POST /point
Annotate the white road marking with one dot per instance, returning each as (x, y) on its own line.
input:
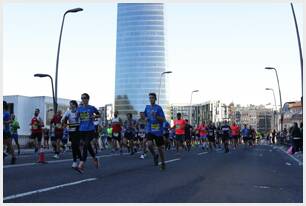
(173, 160)
(202, 153)
(56, 161)
(288, 163)
(47, 189)
(261, 186)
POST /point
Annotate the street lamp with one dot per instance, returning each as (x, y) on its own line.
(191, 106)
(280, 95)
(300, 48)
(54, 100)
(273, 96)
(167, 72)
(58, 49)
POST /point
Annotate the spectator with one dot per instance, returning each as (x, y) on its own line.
(273, 136)
(296, 137)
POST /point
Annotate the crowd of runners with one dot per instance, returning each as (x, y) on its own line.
(151, 133)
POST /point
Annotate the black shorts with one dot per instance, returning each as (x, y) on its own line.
(158, 140)
(116, 137)
(166, 135)
(235, 137)
(180, 137)
(225, 138)
(74, 136)
(36, 135)
(188, 138)
(211, 139)
(7, 135)
(86, 135)
(130, 135)
(141, 136)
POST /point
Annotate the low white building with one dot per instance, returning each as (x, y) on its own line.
(23, 107)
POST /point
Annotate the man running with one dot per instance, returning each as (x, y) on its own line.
(155, 118)
(188, 134)
(87, 114)
(71, 119)
(203, 135)
(141, 133)
(179, 125)
(235, 132)
(245, 135)
(167, 127)
(129, 133)
(211, 135)
(59, 132)
(14, 127)
(36, 129)
(7, 136)
(226, 131)
(116, 131)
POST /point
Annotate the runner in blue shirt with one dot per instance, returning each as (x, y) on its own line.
(155, 118)
(87, 114)
(7, 136)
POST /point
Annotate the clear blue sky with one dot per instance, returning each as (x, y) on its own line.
(220, 49)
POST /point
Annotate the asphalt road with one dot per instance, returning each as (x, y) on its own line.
(247, 175)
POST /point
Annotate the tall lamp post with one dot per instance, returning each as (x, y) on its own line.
(58, 50)
(300, 48)
(190, 115)
(274, 104)
(280, 96)
(161, 75)
(54, 99)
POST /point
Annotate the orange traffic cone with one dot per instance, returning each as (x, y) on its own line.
(41, 156)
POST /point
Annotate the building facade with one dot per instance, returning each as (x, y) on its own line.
(140, 57)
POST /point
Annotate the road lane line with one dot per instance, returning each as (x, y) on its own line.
(202, 153)
(46, 189)
(56, 161)
(284, 151)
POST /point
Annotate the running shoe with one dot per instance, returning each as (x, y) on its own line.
(156, 160)
(142, 156)
(96, 162)
(162, 166)
(74, 165)
(56, 156)
(13, 160)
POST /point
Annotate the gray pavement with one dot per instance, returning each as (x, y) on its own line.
(263, 174)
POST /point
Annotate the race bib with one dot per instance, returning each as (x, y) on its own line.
(155, 127)
(211, 133)
(58, 125)
(116, 134)
(177, 126)
(84, 116)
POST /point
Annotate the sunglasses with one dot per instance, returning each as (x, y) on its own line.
(83, 98)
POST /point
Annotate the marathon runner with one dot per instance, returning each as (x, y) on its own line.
(7, 136)
(14, 127)
(203, 135)
(36, 129)
(129, 133)
(116, 132)
(211, 135)
(188, 134)
(166, 127)
(235, 132)
(155, 118)
(245, 135)
(179, 125)
(226, 131)
(219, 135)
(87, 115)
(59, 131)
(70, 118)
(141, 133)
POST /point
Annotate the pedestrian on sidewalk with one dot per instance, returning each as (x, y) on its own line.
(273, 136)
(296, 137)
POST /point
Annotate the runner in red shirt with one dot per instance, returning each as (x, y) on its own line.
(36, 129)
(59, 130)
(179, 126)
(234, 133)
(202, 128)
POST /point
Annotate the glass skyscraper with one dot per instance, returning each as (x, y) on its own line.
(140, 56)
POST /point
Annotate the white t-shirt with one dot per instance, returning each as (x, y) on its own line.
(72, 119)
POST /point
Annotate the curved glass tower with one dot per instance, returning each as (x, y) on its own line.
(140, 56)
